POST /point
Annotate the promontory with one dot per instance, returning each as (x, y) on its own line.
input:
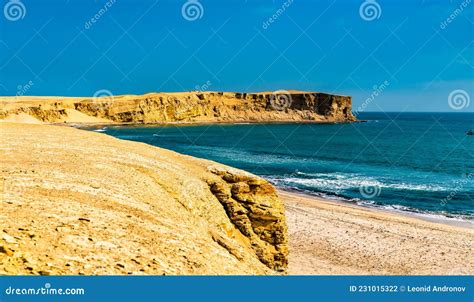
(200, 107)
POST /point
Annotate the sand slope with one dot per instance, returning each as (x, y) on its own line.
(79, 202)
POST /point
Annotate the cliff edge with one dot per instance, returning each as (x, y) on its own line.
(79, 202)
(289, 106)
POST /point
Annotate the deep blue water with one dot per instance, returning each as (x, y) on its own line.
(419, 162)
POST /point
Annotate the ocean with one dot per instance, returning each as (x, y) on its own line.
(421, 163)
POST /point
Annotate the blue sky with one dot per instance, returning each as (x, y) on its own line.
(145, 46)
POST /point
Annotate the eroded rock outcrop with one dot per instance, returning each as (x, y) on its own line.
(184, 107)
(254, 208)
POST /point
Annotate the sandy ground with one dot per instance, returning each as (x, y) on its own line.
(79, 202)
(328, 238)
(107, 206)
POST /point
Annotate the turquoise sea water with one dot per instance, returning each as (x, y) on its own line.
(416, 162)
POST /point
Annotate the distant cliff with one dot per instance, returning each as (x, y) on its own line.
(183, 107)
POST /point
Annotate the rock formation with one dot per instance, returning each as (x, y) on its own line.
(79, 202)
(249, 202)
(184, 107)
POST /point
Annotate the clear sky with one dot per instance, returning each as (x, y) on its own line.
(69, 48)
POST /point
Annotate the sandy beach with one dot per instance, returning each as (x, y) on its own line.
(333, 238)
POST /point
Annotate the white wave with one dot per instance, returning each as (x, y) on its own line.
(100, 130)
(339, 181)
(428, 215)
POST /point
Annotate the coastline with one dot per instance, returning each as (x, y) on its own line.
(193, 106)
(424, 216)
(325, 237)
(336, 238)
(198, 123)
(91, 124)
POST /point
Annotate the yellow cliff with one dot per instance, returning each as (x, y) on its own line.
(290, 106)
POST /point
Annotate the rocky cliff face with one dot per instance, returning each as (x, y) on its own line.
(79, 202)
(249, 202)
(186, 107)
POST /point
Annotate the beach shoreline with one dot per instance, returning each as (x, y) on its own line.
(426, 217)
(325, 237)
(336, 238)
